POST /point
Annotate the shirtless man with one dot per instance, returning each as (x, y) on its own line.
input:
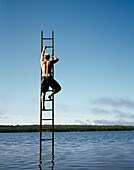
(47, 79)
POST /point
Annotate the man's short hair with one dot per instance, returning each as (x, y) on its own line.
(47, 56)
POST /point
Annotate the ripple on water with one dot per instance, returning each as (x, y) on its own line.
(73, 150)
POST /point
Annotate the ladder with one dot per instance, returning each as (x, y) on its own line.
(43, 128)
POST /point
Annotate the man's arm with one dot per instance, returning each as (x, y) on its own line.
(55, 59)
(42, 54)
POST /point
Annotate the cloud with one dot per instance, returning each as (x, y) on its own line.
(64, 108)
(19, 119)
(123, 114)
(115, 102)
(80, 122)
(2, 114)
(99, 111)
(97, 122)
(118, 113)
(88, 121)
(113, 122)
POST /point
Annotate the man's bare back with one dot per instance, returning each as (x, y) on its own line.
(46, 68)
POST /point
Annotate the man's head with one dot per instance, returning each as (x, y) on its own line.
(47, 56)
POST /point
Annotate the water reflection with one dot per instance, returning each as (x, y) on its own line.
(42, 159)
(72, 150)
(52, 156)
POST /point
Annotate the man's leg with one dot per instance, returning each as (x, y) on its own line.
(54, 92)
(55, 85)
(44, 88)
(43, 100)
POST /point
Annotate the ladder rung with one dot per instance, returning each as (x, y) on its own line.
(50, 90)
(49, 46)
(47, 109)
(47, 119)
(47, 129)
(47, 38)
(46, 139)
(49, 100)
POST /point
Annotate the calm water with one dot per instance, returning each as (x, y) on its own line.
(72, 150)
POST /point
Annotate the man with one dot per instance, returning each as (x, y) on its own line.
(47, 79)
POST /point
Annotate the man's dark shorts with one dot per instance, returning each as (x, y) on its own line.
(49, 81)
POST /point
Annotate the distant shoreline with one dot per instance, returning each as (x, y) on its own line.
(64, 128)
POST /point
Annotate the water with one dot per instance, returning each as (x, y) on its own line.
(72, 150)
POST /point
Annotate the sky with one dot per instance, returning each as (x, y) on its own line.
(94, 42)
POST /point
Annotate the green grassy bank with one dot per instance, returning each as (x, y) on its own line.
(63, 128)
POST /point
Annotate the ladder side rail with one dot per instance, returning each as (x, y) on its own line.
(41, 102)
(53, 95)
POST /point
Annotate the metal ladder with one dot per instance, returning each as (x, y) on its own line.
(42, 120)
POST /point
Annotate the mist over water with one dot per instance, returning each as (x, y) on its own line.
(72, 150)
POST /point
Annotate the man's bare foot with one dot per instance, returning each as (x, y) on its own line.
(49, 96)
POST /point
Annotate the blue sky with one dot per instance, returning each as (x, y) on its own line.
(94, 41)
